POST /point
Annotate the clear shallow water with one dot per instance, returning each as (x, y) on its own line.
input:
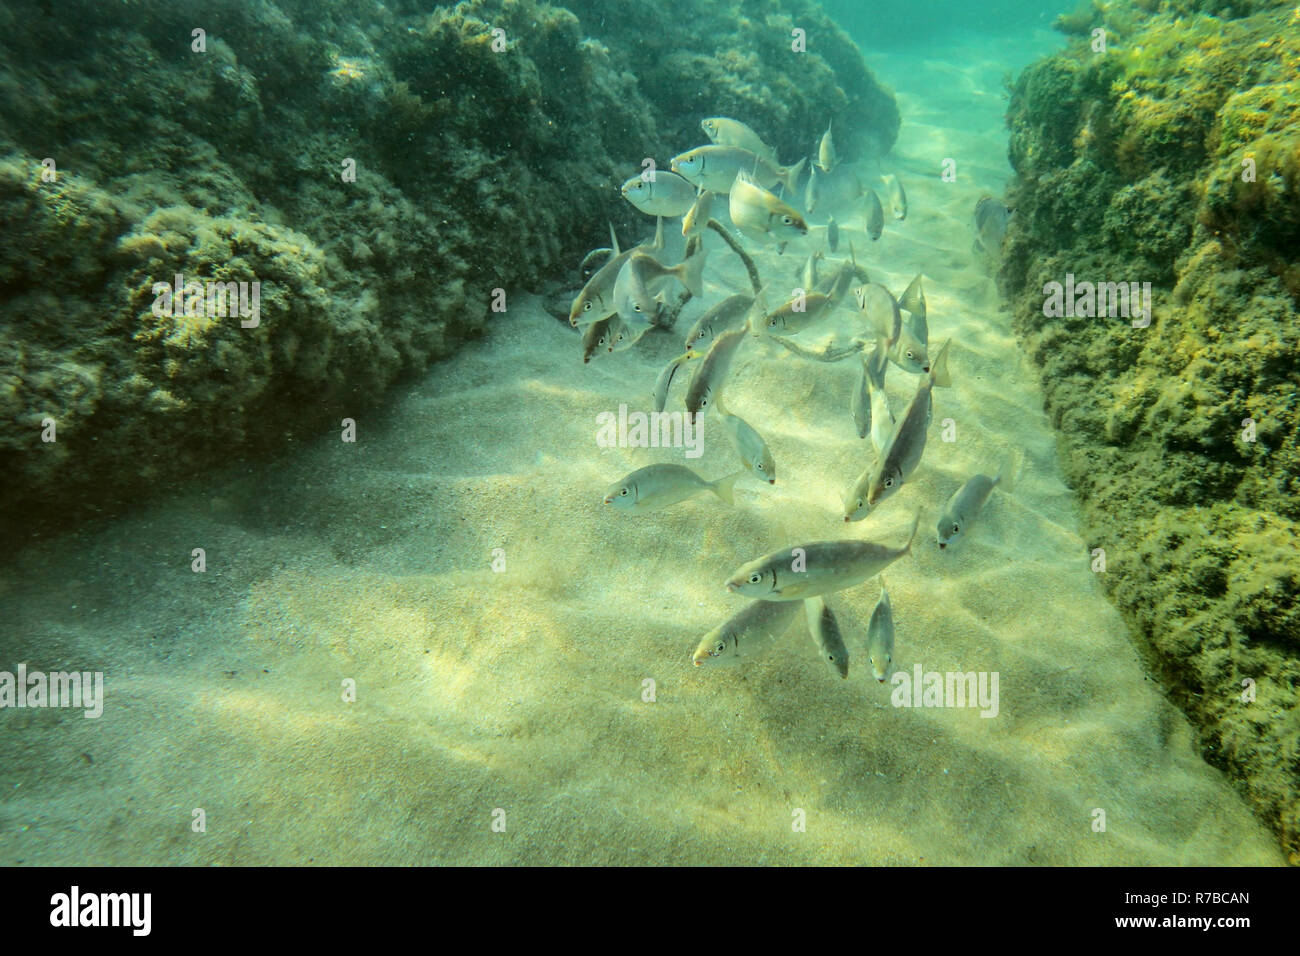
(520, 695)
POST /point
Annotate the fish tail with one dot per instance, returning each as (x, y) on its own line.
(724, 488)
(876, 364)
(939, 368)
(916, 523)
(790, 176)
(692, 273)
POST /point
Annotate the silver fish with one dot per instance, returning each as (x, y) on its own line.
(642, 275)
(832, 234)
(966, 503)
(808, 276)
(825, 631)
(907, 443)
(715, 168)
(880, 636)
(817, 568)
(991, 217)
(826, 152)
(729, 132)
(598, 336)
(878, 305)
(749, 444)
(875, 215)
(665, 379)
(747, 634)
(725, 315)
(713, 369)
(838, 285)
(696, 219)
(909, 350)
(897, 197)
(798, 313)
(862, 404)
(659, 486)
(759, 215)
(813, 191)
(596, 300)
(668, 195)
(913, 299)
(882, 419)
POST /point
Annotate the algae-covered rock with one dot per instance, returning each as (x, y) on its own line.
(1173, 159)
(487, 139)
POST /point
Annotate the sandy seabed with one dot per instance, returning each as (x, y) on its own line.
(520, 695)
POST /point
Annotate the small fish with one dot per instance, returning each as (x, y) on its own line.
(826, 152)
(725, 315)
(832, 234)
(668, 195)
(715, 168)
(907, 443)
(696, 219)
(808, 277)
(913, 299)
(966, 503)
(897, 197)
(759, 215)
(596, 300)
(597, 336)
(749, 444)
(875, 215)
(909, 351)
(878, 305)
(862, 404)
(659, 486)
(642, 275)
(825, 631)
(813, 191)
(665, 379)
(729, 132)
(747, 634)
(713, 369)
(817, 568)
(838, 286)
(880, 636)
(798, 313)
(882, 419)
(991, 217)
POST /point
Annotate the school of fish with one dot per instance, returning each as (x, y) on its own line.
(738, 176)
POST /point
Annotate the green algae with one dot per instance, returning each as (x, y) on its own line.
(1182, 440)
(478, 168)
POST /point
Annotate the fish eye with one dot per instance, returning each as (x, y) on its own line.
(637, 307)
(755, 578)
(760, 467)
(623, 492)
(955, 529)
(586, 307)
(889, 482)
(787, 220)
(722, 646)
(909, 354)
(704, 401)
(859, 504)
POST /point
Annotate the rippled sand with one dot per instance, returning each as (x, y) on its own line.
(522, 691)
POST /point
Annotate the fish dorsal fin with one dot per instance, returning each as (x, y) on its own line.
(613, 240)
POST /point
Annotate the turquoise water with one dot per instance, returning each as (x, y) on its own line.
(416, 633)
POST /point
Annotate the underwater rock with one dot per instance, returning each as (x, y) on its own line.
(1174, 158)
(483, 161)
